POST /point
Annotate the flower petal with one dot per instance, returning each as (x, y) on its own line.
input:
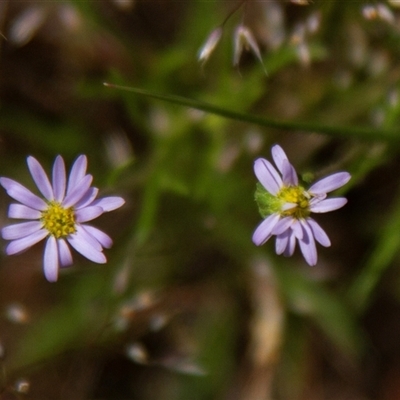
(307, 245)
(288, 206)
(22, 194)
(59, 179)
(290, 246)
(23, 212)
(328, 205)
(64, 253)
(279, 156)
(50, 259)
(289, 174)
(267, 175)
(99, 235)
(18, 231)
(78, 192)
(79, 243)
(87, 199)
(82, 233)
(77, 173)
(297, 229)
(282, 225)
(330, 183)
(88, 213)
(40, 178)
(109, 203)
(282, 242)
(19, 245)
(263, 231)
(320, 235)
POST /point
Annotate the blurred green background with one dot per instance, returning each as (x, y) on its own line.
(187, 308)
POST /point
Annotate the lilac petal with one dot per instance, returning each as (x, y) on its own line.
(320, 236)
(267, 175)
(297, 229)
(317, 197)
(78, 192)
(328, 205)
(288, 206)
(77, 173)
(330, 183)
(88, 213)
(22, 194)
(87, 199)
(79, 243)
(282, 242)
(289, 174)
(64, 253)
(263, 231)
(307, 245)
(82, 233)
(109, 203)
(18, 245)
(51, 259)
(18, 231)
(59, 179)
(282, 225)
(40, 178)
(99, 235)
(23, 212)
(279, 156)
(290, 247)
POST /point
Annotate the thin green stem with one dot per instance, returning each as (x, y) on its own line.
(233, 12)
(355, 132)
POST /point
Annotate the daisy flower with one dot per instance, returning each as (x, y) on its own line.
(287, 206)
(59, 217)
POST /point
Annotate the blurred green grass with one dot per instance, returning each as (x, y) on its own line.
(180, 279)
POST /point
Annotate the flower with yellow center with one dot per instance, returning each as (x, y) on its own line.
(59, 221)
(286, 206)
(60, 217)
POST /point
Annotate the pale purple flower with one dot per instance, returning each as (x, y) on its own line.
(60, 217)
(286, 206)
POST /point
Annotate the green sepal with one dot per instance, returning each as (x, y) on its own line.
(266, 202)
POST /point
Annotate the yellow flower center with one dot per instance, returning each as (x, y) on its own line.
(298, 196)
(59, 221)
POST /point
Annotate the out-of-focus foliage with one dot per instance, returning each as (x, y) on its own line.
(187, 307)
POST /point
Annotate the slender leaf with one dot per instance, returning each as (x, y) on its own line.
(359, 132)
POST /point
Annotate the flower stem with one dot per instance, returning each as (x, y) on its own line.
(355, 132)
